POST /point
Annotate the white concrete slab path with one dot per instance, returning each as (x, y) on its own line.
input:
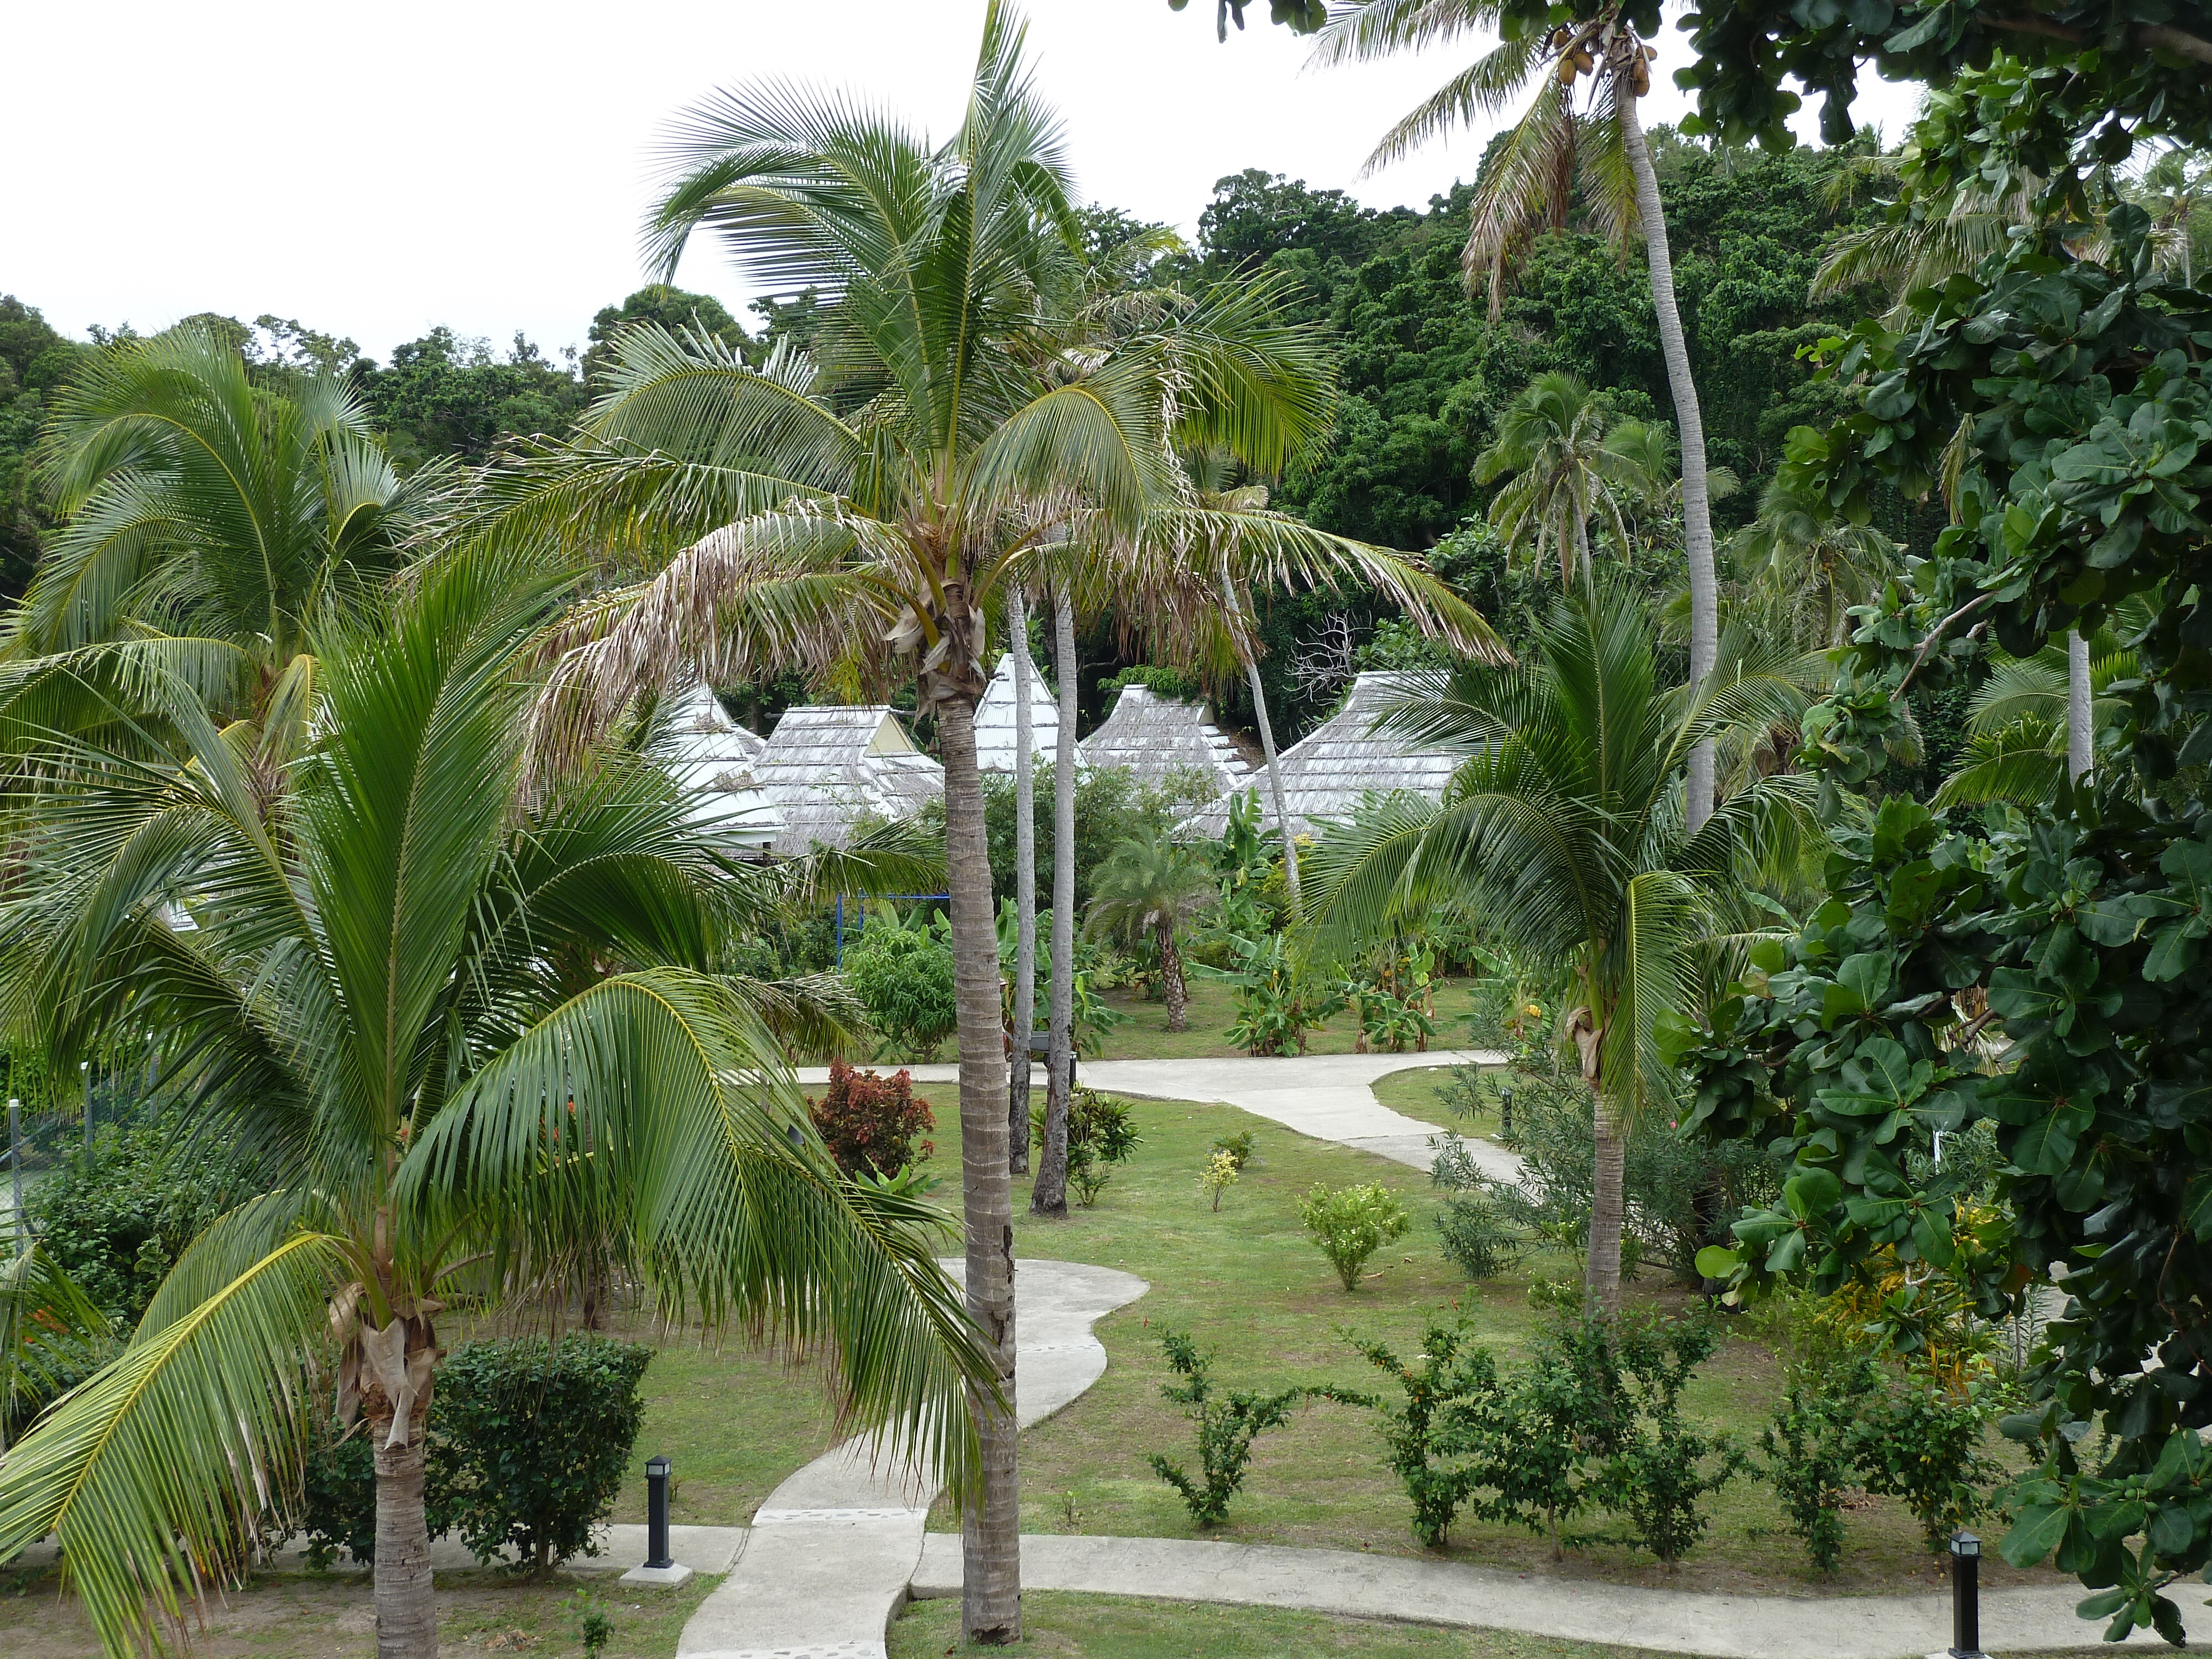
(2028, 1620)
(831, 1552)
(1328, 1097)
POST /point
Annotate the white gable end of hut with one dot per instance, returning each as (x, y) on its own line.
(994, 720)
(710, 757)
(827, 766)
(1152, 736)
(1326, 772)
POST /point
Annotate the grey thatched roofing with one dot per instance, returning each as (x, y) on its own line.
(711, 759)
(994, 720)
(1152, 735)
(1327, 771)
(828, 765)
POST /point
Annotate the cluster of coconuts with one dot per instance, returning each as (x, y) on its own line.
(1576, 58)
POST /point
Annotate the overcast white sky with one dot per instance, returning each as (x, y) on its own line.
(373, 170)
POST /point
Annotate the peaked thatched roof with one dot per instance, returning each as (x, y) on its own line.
(1327, 771)
(711, 757)
(994, 720)
(1152, 736)
(828, 765)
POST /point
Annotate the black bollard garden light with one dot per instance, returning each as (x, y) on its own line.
(1965, 1594)
(656, 1513)
(1506, 1113)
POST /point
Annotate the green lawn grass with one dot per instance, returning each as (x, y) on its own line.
(1248, 1283)
(1420, 1093)
(1143, 1033)
(331, 1616)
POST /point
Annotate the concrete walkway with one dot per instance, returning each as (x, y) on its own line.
(2037, 1619)
(833, 1549)
(1328, 1096)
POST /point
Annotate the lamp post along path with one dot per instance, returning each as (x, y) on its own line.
(660, 1566)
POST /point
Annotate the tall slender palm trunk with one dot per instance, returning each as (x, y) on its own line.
(1267, 748)
(1048, 1195)
(406, 1604)
(1697, 508)
(1608, 1208)
(1017, 1086)
(2080, 730)
(991, 1603)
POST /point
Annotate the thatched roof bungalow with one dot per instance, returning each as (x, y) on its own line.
(994, 720)
(1327, 771)
(711, 756)
(1153, 736)
(827, 766)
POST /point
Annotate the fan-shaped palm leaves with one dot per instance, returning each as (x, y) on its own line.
(970, 417)
(370, 1008)
(2017, 725)
(1552, 153)
(1565, 828)
(1816, 564)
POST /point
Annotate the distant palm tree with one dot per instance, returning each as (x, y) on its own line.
(1817, 565)
(2018, 724)
(2177, 188)
(1551, 446)
(373, 1009)
(1553, 157)
(1564, 830)
(212, 525)
(1651, 481)
(1147, 887)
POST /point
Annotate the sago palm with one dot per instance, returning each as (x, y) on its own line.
(1556, 154)
(212, 525)
(1564, 831)
(1147, 887)
(367, 1004)
(966, 420)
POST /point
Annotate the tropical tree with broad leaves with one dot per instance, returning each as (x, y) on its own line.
(1564, 829)
(967, 419)
(369, 996)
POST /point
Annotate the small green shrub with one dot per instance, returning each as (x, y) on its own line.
(1351, 1223)
(1808, 1443)
(1525, 1446)
(1920, 1441)
(593, 1628)
(1101, 1133)
(537, 1436)
(1240, 1147)
(1218, 1176)
(903, 977)
(116, 1219)
(1477, 1236)
(339, 1510)
(1425, 1426)
(872, 1124)
(1227, 1425)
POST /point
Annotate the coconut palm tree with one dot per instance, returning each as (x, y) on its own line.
(367, 1005)
(211, 525)
(1815, 563)
(1552, 152)
(1145, 889)
(1564, 830)
(2023, 732)
(1552, 439)
(965, 421)
(1650, 484)
(1017, 1083)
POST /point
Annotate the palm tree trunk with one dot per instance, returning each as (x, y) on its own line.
(1602, 1280)
(1268, 748)
(991, 1603)
(1697, 510)
(2080, 732)
(406, 1605)
(1172, 979)
(1048, 1195)
(1017, 1090)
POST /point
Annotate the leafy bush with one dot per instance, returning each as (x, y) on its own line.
(903, 977)
(536, 1438)
(1351, 1223)
(871, 1123)
(1275, 1007)
(1425, 1427)
(1218, 1176)
(339, 1510)
(1239, 1146)
(1102, 1133)
(1809, 1449)
(1477, 1237)
(118, 1219)
(1227, 1425)
(1525, 1447)
(1921, 1441)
